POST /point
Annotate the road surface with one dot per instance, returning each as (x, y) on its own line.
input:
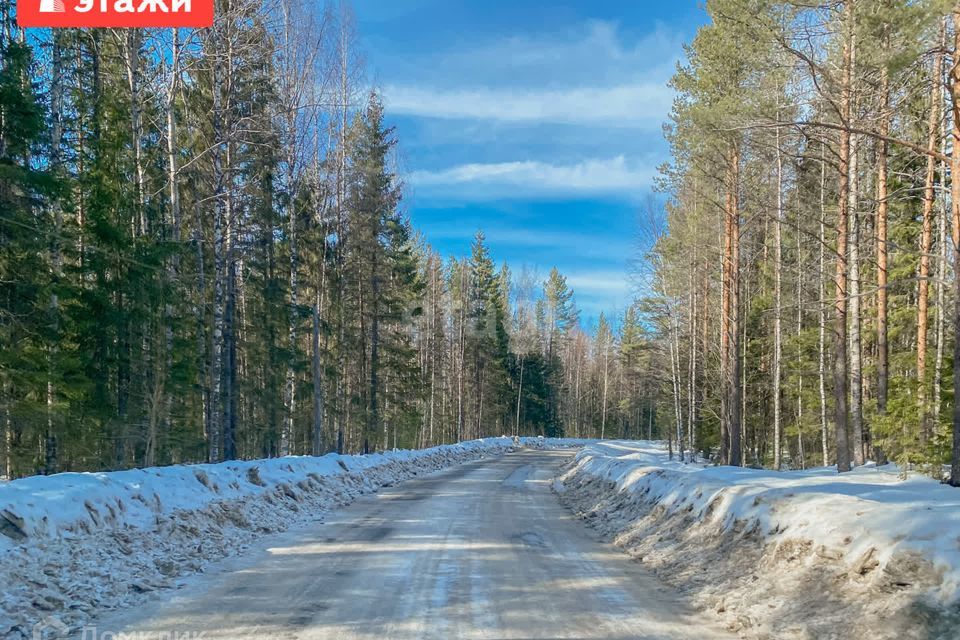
(482, 550)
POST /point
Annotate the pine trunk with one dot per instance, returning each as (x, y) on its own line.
(840, 380)
(955, 230)
(734, 392)
(778, 310)
(317, 444)
(926, 241)
(822, 316)
(883, 367)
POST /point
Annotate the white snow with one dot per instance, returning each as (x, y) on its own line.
(539, 442)
(74, 544)
(70, 504)
(869, 526)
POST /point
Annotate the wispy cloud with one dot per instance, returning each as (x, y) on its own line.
(589, 74)
(538, 243)
(635, 105)
(601, 290)
(613, 176)
(587, 53)
(600, 283)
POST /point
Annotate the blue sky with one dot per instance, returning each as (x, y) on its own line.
(538, 121)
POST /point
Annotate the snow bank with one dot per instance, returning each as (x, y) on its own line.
(76, 543)
(790, 554)
(539, 442)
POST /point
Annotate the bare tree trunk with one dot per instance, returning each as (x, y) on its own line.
(374, 414)
(7, 440)
(289, 391)
(386, 412)
(681, 431)
(221, 131)
(576, 392)
(926, 238)
(822, 315)
(955, 230)
(433, 394)
(433, 349)
(855, 321)
(173, 265)
(650, 422)
(733, 389)
(853, 240)
(603, 408)
(317, 440)
(204, 357)
(706, 336)
(742, 430)
(171, 121)
(229, 367)
(725, 358)
(840, 380)
(479, 403)
(319, 444)
(341, 379)
(692, 379)
(675, 380)
(519, 396)
(56, 140)
(343, 99)
(778, 310)
(132, 44)
(883, 367)
(290, 83)
(942, 258)
(462, 352)
(800, 447)
(289, 399)
(228, 271)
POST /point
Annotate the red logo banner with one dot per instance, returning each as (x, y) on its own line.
(115, 13)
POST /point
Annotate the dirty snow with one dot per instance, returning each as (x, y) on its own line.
(539, 442)
(800, 554)
(74, 544)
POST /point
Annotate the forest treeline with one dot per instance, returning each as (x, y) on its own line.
(806, 282)
(205, 256)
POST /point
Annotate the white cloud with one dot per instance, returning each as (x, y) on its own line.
(600, 283)
(591, 73)
(613, 176)
(602, 290)
(588, 53)
(632, 105)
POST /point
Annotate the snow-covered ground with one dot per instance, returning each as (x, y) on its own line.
(800, 554)
(555, 443)
(74, 544)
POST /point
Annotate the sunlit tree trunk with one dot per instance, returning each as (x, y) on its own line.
(883, 373)
(955, 231)
(942, 258)
(840, 380)
(778, 309)
(733, 390)
(926, 238)
(822, 315)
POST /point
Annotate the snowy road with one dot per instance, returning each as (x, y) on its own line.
(482, 550)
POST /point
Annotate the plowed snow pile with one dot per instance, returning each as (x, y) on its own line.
(799, 554)
(76, 543)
